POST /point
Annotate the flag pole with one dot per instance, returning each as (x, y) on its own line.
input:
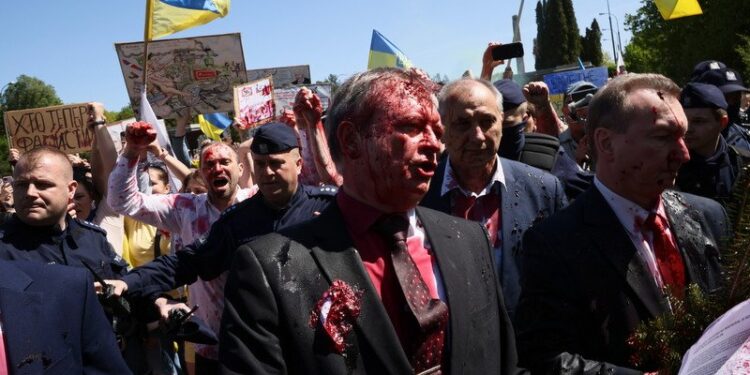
(146, 37)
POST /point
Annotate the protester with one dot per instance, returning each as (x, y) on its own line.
(281, 202)
(575, 110)
(186, 216)
(714, 166)
(595, 270)
(385, 134)
(309, 113)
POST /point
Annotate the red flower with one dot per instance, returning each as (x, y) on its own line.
(336, 311)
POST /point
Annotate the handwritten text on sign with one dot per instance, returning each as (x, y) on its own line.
(61, 127)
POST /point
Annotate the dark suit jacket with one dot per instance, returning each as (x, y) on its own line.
(585, 289)
(530, 196)
(276, 281)
(53, 322)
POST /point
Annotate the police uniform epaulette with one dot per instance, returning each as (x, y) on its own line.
(91, 225)
(325, 190)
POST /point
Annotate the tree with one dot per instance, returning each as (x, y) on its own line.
(25, 93)
(673, 47)
(332, 80)
(541, 37)
(556, 30)
(592, 45)
(572, 50)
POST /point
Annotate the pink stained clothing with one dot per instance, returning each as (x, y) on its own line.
(309, 175)
(188, 217)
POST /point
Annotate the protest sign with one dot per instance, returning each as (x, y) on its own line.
(62, 127)
(284, 97)
(253, 103)
(189, 73)
(559, 82)
(283, 75)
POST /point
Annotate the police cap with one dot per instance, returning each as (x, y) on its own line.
(702, 95)
(727, 80)
(705, 66)
(274, 138)
(512, 94)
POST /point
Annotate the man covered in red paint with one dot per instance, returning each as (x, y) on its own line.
(374, 284)
(186, 216)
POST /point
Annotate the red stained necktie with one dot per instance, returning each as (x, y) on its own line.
(431, 315)
(485, 209)
(668, 258)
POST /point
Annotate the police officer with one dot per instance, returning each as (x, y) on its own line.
(41, 229)
(281, 202)
(730, 83)
(714, 164)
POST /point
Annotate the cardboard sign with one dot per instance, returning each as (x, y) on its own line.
(253, 103)
(559, 82)
(284, 97)
(283, 75)
(195, 74)
(62, 127)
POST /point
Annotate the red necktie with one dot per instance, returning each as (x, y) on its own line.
(668, 258)
(486, 207)
(425, 349)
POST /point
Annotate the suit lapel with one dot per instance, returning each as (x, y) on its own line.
(618, 249)
(339, 260)
(20, 311)
(691, 239)
(451, 271)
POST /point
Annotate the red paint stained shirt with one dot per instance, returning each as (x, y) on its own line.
(359, 218)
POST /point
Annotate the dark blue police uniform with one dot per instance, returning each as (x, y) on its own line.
(210, 257)
(80, 242)
(713, 177)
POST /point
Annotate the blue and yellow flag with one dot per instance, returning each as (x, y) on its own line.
(164, 17)
(671, 9)
(383, 53)
(213, 124)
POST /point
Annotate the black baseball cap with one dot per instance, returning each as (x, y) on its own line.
(727, 80)
(702, 95)
(274, 138)
(512, 93)
(705, 66)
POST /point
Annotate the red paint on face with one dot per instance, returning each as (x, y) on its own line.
(401, 144)
(220, 170)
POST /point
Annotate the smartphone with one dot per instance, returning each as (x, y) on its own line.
(507, 51)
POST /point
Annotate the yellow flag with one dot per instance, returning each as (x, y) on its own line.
(672, 9)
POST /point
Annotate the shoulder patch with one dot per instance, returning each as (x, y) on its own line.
(90, 225)
(325, 190)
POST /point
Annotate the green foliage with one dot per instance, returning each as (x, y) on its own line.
(25, 93)
(673, 47)
(661, 342)
(558, 41)
(332, 80)
(592, 45)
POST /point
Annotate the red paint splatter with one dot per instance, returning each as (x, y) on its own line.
(344, 310)
(201, 225)
(140, 133)
(184, 202)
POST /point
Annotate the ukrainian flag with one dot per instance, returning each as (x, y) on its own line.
(383, 53)
(164, 17)
(213, 124)
(671, 9)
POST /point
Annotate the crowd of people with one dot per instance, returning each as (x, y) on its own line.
(415, 227)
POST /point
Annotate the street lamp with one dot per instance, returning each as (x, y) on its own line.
(611, 31)
(619, 41)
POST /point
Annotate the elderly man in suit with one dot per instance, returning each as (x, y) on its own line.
(595, 270)
(473, 183)
(374, 285)
(52, 322)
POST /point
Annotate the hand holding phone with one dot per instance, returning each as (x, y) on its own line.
(507, 51)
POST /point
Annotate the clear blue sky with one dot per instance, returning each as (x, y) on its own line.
(70, 43)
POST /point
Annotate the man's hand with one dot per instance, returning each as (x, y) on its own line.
(13, 156)
(537, 93)
(139, 137)
(166, 305)
(95, 111)
(307, 107)
(488, 64)
(120, 287)
(287, 117)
